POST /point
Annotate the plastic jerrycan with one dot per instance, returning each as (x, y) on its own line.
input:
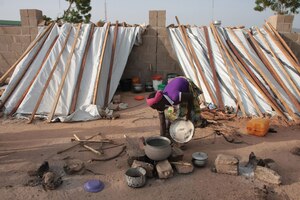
(258, 126)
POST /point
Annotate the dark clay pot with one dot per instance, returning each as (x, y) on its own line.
(158, 148)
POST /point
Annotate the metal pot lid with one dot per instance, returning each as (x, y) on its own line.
(93, 186)
(182, 131)
(199, 156)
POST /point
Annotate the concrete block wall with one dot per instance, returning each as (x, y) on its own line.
(15, 39)
(155, 55)
(293, 41)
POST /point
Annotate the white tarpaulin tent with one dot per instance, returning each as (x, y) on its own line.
(70, 72)
(235, 67)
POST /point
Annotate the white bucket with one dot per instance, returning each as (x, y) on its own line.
(156, 83)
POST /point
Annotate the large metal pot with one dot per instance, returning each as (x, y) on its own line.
(158, 148)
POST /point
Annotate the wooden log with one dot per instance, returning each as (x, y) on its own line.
(282, 49)
(61, 85)
(86, 146)
(190, 57)
(113, 51)
(214, 69)
(283, 42)
(94, 101)
(290, 80)
(25, 70)
(230, 57)
(82, 67)
(240, 104)
(256, 66)
(50, 77)
(33, 80)
(275, 74)
(6, 74)
(259, 85)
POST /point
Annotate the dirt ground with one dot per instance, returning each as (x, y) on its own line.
(25, 146)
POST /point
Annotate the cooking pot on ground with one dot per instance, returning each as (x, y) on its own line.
(158, 148)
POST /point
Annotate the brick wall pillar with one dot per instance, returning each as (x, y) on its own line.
(282, 23)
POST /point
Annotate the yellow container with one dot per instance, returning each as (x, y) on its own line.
(258, 127)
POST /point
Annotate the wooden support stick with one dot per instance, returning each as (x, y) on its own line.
(270, 68)
(256, 82)
(86, 146)
(61, 85)
(283, 42)
(256, 66)
(24, 70)
(6, 74)
(189, 49)
(239, 102)
(99, 68)
(113, 51)
(110, 158)
(230, 56)
(82, 67)
(50, 77)
(59, 152)
(33, 80)
(214, 69)
(286, 54)
(274, 73)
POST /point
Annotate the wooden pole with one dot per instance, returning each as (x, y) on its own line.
(286, 54)
(230, 56)
(33, 80)
(61, 85)
(82, 67)
(6, 74)
(113, 51)
(278, 94)
(50, 77)
(25, 69)
(213, 28)
(190, 57)
(214, 69)
(262, 88)
(276, 75)
(94, 101)
(283, 42)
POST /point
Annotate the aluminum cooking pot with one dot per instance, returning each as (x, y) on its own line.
(158, 148)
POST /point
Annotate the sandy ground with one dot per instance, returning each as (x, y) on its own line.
(25, 146)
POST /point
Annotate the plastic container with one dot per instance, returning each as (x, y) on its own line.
(157, 80)
(161, 86)
(258, 127)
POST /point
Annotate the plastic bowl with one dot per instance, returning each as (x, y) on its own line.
(93, 186)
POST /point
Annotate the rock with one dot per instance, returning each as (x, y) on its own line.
(267, 175)
(183, 167)
(74, 166)
(113, 106)
(164, 169)
(51, 181)
(295, 151)
(176, 155)
(147, 166)
(117, 99)
(227, 164)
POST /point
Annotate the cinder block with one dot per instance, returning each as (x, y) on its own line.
(287, 28)
(291, 36)
(272, 20)
(147, 166)
(227, 164)
(12, 30)
(288, 19)
(33, 31)
(35, 14)
(164, 169)
(161, 18)
(33, 22)
(183, 167)
(25, 21)
(153, 18)
(151, 31)
(25, 31)
(280, 18)
(176, 155)
(280, 27)
(267, 175)
(24, 13)
(6, 39)
(3, 47)
(162, 32)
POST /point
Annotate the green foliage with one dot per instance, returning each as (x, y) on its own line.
(279, 6)
(78, 11)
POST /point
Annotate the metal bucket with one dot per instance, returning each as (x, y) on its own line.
(135, 177)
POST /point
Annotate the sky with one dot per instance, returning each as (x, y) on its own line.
(193, 12)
